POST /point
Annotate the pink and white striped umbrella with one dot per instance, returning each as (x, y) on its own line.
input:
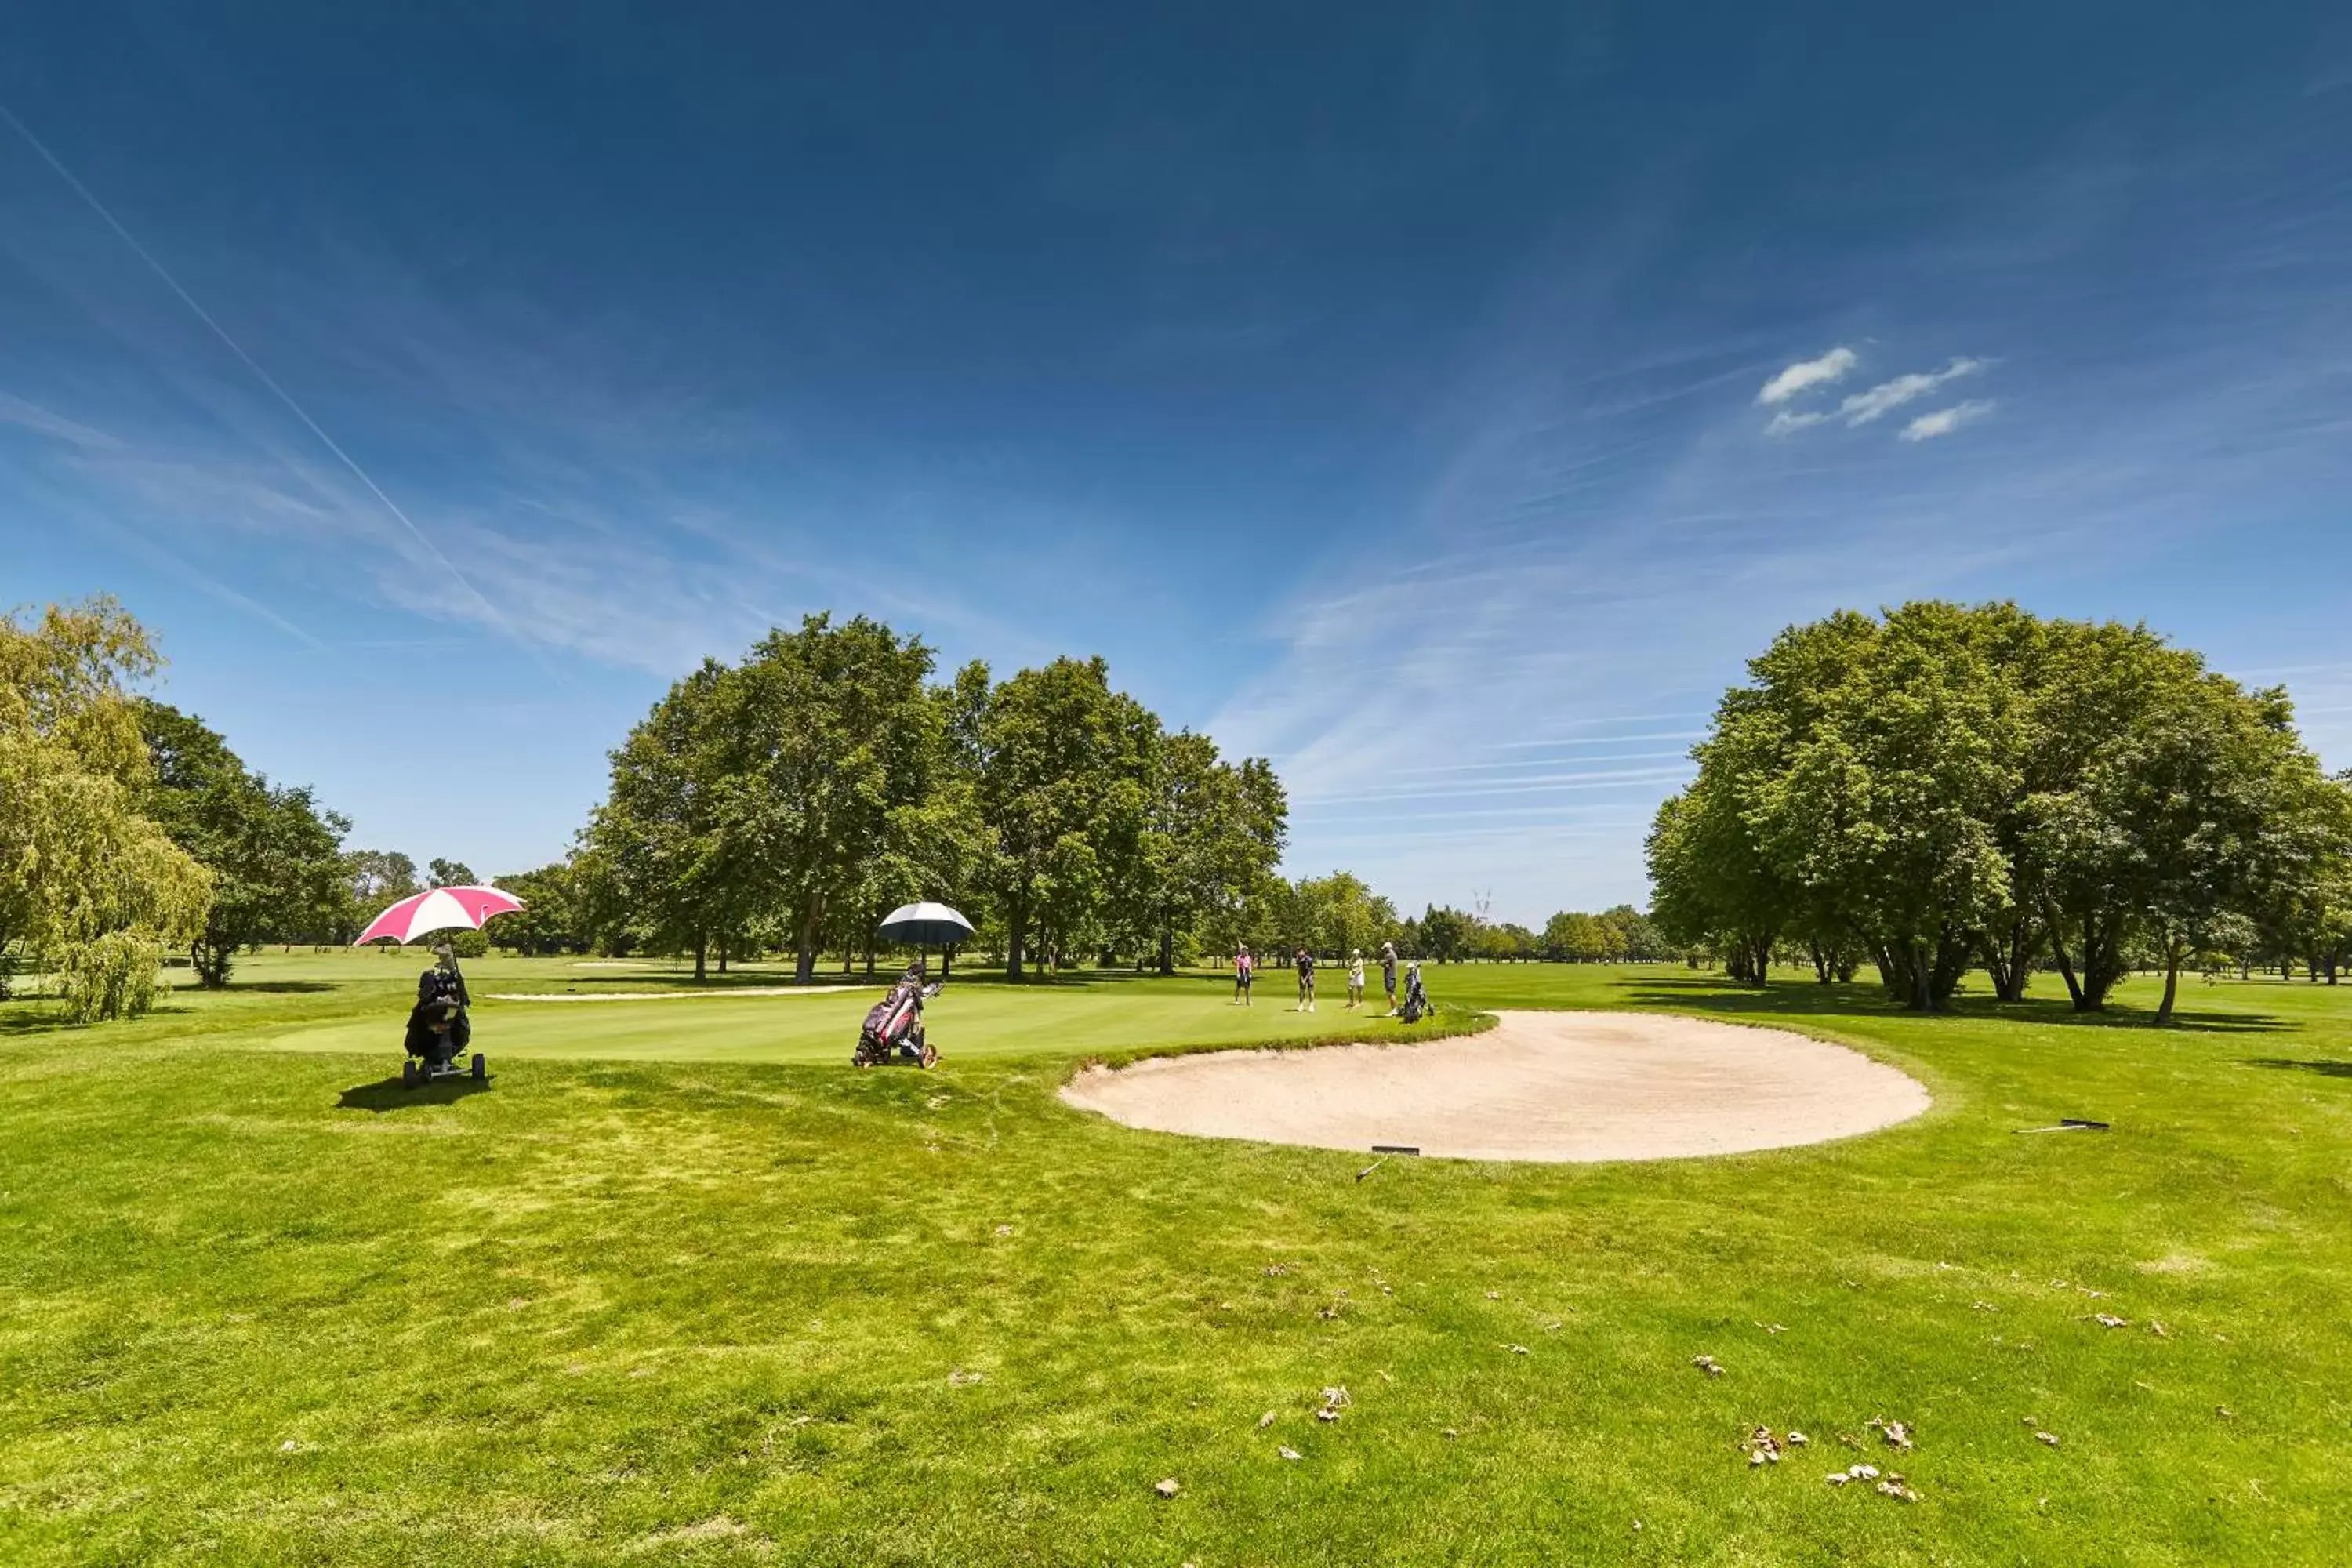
(438, 908)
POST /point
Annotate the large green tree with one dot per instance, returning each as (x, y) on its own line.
(275, 856)
(1065, 779)
(1944, 785)
(89, 881)
(835, 743)
(1214, 830)
(673, 860)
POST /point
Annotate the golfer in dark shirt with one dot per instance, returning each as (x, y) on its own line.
(1388, 972)
(1305, 981)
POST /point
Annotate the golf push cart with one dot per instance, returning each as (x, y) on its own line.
(439, 1030)
(893, 1030)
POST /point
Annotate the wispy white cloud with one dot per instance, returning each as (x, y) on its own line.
(1788, 421)
(1944, 421)
(28, 416)
(1808, 374)
(1863, 407)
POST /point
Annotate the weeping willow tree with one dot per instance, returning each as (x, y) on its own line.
(88, 881)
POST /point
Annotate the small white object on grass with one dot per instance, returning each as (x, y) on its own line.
(1168, 1488)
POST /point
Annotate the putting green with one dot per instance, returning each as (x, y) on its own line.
(982, 1020)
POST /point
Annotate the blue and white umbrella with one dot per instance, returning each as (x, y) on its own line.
(925, 925)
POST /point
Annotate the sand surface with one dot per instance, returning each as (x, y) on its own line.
(1539, 1085)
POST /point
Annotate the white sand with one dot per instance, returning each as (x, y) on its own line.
(1539, 1085)
(667, 995)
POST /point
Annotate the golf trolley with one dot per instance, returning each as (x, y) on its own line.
(439, 1030)
(893, 1030)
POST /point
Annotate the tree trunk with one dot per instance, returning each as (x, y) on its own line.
(947, 961)
(2172, 953)
(1168, 948)
(1017, 916)
(804, 959)
(701, 951)
(722, 953)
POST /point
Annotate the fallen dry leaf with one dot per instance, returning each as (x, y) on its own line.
(2225, 1413)
(1168, 1488)
(1518, 1350)
(2158, 1330)
(1864, 1472)
(1494, 1295)
(1266, 1421)
(1798, 1439)
(1452, 1433)
(1004, 1230)
(1896, 1433)
(1707, 1364)
(2049, 1437)
(1893, 1487)
(2108, 1320)
(1276, 1268)
(1837, 1477)
(958, 1378)
(1326, 1413)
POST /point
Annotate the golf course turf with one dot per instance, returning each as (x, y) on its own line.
(681, 1287)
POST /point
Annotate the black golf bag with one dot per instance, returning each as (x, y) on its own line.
(1416, 1001)
(893, 1029)
(440, 1028)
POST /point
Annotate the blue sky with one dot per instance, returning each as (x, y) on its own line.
(1440, 399)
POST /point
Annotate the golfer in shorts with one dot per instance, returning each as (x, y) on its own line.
(1355, 980)
(1388, 972)
(1305, 981)
(1243, 970)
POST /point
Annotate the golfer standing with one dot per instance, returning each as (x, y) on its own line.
(1242, 970)
(1305, 981)
(1388, 972)
(1355, 979)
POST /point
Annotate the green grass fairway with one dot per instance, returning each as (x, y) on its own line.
(1072, 1016)
(683, 1287)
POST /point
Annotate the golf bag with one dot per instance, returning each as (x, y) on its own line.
(440, 1028)
(894, 1026)
(1416, 1001)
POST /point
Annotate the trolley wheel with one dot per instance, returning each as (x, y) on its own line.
(408, 1073)
(481, 1069)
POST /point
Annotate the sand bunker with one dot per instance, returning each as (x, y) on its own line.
(1539, 1085)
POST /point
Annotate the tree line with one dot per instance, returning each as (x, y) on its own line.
(1943, 787)
(786, 802)
(129, 829)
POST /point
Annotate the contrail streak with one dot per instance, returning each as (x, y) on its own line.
(262, 376)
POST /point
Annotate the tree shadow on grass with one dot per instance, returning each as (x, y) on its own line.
(390, 1094)
(1802, 999)
(279, 987)
(2284, 1064)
